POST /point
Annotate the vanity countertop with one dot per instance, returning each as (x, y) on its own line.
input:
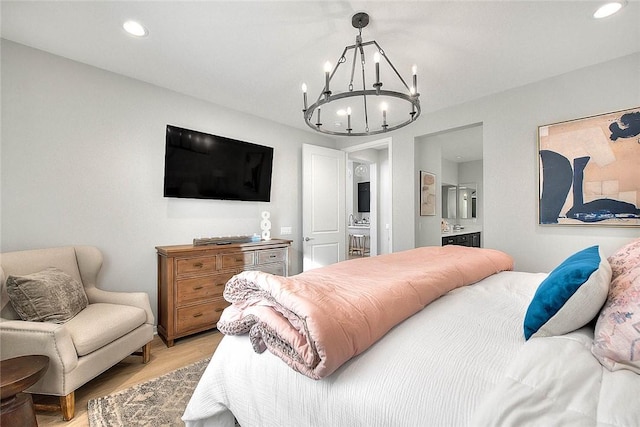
(358, 226)
(465, 230)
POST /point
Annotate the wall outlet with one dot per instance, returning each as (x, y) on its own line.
(285, 231)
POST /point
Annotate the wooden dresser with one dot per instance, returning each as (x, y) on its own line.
(191, 280)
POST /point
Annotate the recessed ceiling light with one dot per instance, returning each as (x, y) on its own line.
(135, 28)
(608, 9)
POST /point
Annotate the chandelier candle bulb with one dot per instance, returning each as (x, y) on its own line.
(318, 122)
(413, 107)
(377, 85)
(304, 95)
(414, 71)
(327, 70)
(349, 119)
(383, 106)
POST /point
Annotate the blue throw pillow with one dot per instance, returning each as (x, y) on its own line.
(571, 296)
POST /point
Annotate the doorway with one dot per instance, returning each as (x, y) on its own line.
(369, 167)
(455, 157)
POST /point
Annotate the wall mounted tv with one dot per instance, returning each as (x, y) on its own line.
(202, 166)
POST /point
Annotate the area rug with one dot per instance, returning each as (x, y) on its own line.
(157, 402)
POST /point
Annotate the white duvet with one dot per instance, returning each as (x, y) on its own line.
(462, 361)
(556, 381)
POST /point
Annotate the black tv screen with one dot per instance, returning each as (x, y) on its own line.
(364, 197)
(202, 166)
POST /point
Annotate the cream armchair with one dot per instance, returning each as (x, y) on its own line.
(113, 325)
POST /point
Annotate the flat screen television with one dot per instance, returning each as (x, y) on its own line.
(202, 166)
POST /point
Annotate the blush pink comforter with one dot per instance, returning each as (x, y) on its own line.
(317, 320)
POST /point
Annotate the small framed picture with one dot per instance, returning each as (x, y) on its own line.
(427, 194)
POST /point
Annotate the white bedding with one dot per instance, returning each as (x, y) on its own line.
(432, 369)
(557, 381)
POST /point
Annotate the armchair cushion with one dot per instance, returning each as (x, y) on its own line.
(50, 295)
(100, 324)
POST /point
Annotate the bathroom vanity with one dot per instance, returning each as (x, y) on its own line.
(462, 238)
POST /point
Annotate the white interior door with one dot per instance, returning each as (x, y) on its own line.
(323, 206)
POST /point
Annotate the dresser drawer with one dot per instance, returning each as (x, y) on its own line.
(239, 259)
(200, 316)
(194, 265)
(462, 240)
(272, 255)
(277, 268)
(448, 241)
(199, 288)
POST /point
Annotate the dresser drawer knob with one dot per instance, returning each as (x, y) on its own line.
(273, 256)
(197, 315)
(198, 265)
(197, 288)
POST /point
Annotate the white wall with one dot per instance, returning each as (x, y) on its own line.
(83, 162)
(449, 168)
(384, 207)
(510, 121)
(428, 158)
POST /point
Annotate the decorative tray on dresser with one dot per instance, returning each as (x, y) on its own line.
(191, 279)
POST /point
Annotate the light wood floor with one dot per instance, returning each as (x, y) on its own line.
(131, 371)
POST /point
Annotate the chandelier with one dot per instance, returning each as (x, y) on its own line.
(396, 105)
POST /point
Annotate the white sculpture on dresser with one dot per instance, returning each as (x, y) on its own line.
(265, 225)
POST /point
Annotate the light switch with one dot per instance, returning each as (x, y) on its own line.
(285, 230)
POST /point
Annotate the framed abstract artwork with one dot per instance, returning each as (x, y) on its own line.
(427, 194)
(589, 172)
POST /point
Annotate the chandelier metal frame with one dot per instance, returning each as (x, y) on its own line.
(412, 97)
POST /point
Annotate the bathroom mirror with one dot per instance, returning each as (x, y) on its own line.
(467, 201)
(449, 201)
(459, 201)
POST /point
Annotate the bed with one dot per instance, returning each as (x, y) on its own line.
(462, 360)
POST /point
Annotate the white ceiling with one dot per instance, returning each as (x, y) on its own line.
(253, 56)
(462, 145)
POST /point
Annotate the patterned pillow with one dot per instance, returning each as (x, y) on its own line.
(626, 258)
(50, 295)
(617, 334)
(571, 296)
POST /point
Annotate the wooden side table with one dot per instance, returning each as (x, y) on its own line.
(16, 375)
